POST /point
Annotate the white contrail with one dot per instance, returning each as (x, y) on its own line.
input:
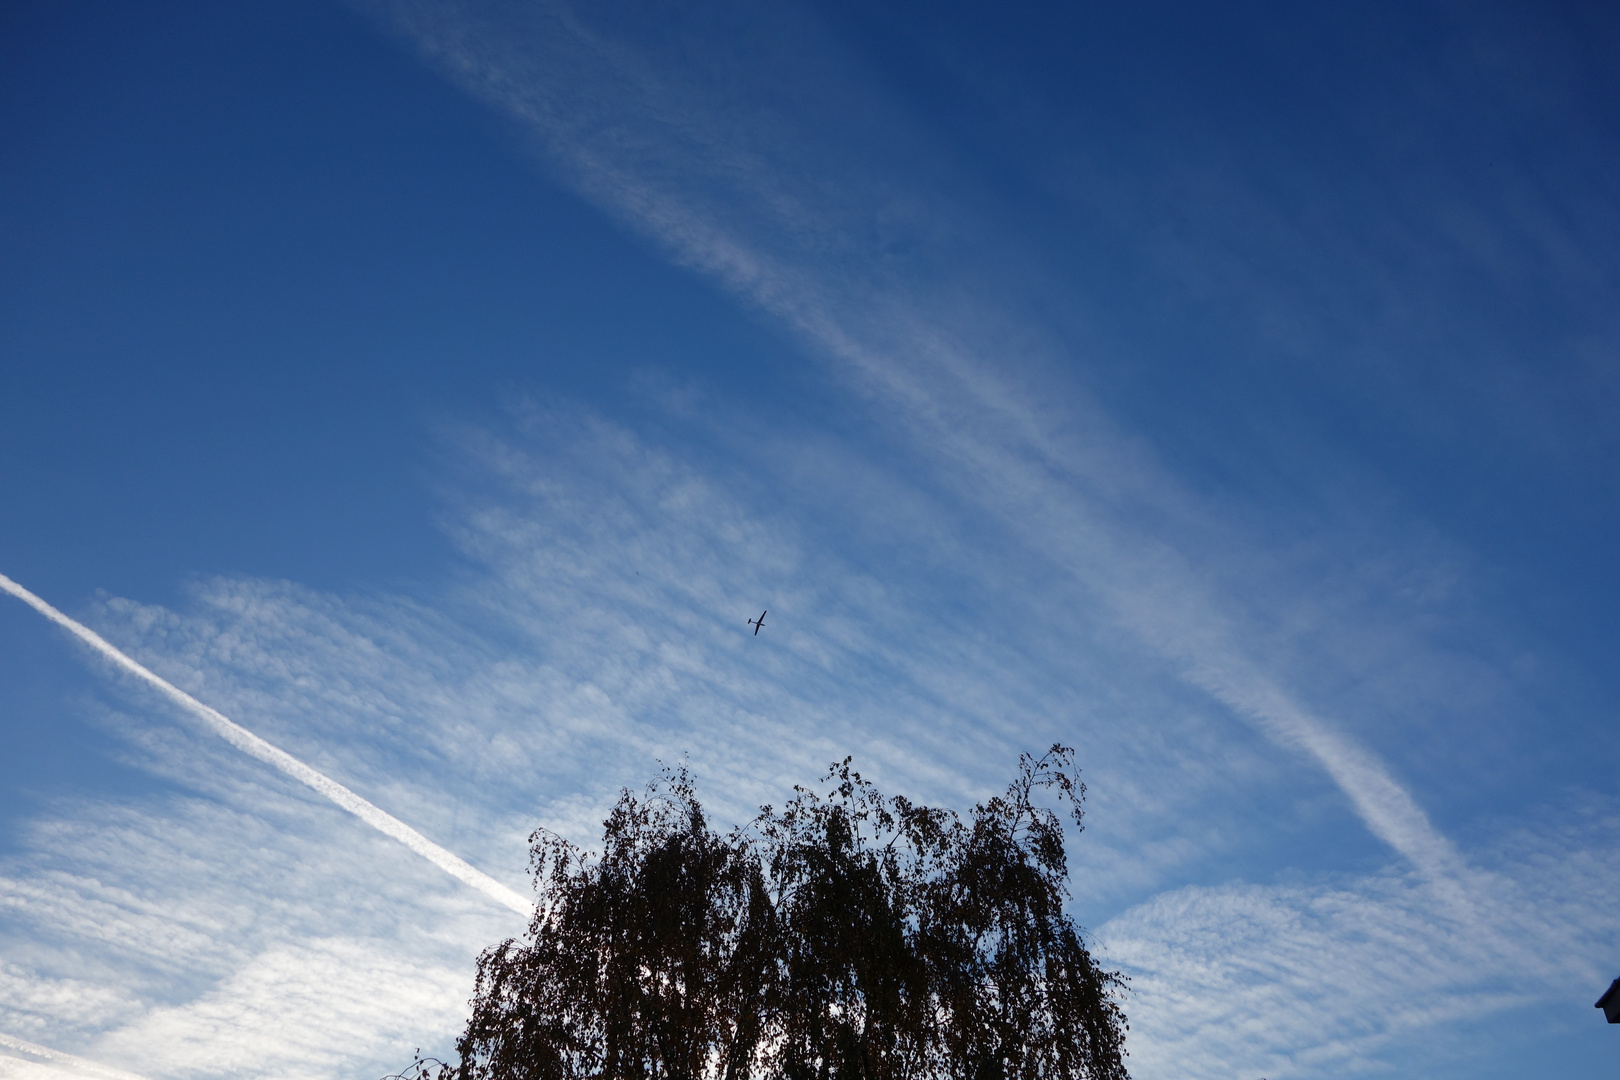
(56, 1057)
(249, 743)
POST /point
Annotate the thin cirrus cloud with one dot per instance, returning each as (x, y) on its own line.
(948, 586)
(716, 192)
(274, 756)
(231, 922)
(34, 1060)
(427, 718)
(600, 629)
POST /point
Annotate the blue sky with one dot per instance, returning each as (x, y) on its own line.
(434, 387)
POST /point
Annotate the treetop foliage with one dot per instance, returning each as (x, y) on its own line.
(848, 936)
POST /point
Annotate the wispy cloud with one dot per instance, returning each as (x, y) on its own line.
(722, 188)
(296, 1010)
(246, 930)
(599, 627)
(1325, 978)
(249, 743)
(992, 563)
(57, 1064)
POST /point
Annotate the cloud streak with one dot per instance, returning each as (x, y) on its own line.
(601, 627)
(992, 564)
(252, 745)
(76, 1065)
(730, 197)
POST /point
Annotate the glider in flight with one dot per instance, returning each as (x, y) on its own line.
(757, 623)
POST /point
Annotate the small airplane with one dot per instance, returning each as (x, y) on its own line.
(759, 622)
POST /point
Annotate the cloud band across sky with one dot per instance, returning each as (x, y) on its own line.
(77, 1066)
(252, 745)
(731, 198)
(1136, 409)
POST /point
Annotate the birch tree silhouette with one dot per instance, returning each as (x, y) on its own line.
(848, 936)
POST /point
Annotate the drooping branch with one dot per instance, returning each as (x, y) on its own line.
(848, 936)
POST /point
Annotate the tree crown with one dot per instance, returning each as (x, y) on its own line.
(848, 936)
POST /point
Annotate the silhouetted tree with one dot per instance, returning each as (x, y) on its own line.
(850, 936)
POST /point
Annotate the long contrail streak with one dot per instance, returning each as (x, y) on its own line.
(249, 743)
(56, 1057)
